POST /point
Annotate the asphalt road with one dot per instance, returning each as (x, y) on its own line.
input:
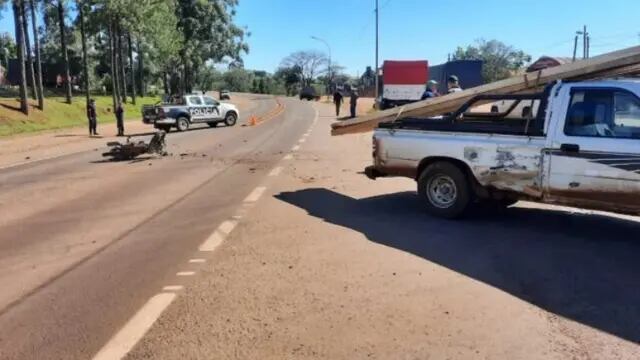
(84, 242)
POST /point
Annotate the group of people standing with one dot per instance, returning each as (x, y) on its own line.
(92, 116)
(453, 86)
(338, 99)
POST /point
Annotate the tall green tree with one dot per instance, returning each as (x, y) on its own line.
(31, 77)
(65, 54)
(18, 21)
(38, 64)
(500, 61)
(80, 5)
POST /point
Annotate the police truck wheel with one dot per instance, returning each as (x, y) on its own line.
(182, 124)
(445, 190)
(230, 119)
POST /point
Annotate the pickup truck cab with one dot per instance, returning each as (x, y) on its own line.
(575, 144)
(183, 111)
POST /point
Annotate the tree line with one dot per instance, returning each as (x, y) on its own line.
(122, 45)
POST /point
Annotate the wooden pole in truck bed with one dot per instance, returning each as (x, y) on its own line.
(617, 63)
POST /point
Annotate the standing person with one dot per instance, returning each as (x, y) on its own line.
(337, 99)
(93, 117)
(453, 84)
(431, 91)
(353, 102)
(120, 119)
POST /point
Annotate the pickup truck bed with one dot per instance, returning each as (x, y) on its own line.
(580, 146)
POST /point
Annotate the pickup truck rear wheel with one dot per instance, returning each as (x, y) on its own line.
(446, 190)
(182, 123)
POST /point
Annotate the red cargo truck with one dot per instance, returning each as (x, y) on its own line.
(403, 82)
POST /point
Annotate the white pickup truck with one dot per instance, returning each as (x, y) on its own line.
(575, 144)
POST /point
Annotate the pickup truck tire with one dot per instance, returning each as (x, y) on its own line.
(182, 123)
(230, 119)
(445, 189)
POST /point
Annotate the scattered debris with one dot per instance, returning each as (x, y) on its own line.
(131, 150)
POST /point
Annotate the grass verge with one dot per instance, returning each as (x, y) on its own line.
(58, 115)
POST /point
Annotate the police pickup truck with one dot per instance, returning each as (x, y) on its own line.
(575, 144)
(183, 111)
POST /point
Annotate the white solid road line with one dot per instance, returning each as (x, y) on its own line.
(134, 330)
(197, 261)
(276, 171)
(288, 157)
(172, 288)
(255, 194)
(185, 273)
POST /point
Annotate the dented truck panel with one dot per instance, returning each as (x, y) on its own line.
(603, 173)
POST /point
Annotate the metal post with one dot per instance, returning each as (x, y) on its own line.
(584, 42)
(377, 71)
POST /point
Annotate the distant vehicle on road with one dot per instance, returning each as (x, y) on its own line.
(575, 144)
(308, 93)
(403, 82)
(183, 111)
(225, 95)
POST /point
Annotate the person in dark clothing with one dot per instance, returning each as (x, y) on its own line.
(120, 119)
(431, 91)
(337, 100)
(93, 117)
(353, 102)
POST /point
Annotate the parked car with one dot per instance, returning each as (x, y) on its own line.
(308, 93)
(183, 111)
(225, 95)
(575, 144)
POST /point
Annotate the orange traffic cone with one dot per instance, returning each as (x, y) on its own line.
(253, 120)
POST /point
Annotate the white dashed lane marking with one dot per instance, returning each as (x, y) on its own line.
(135, 328)
(172, 288)
(276, 171)
(185, 273)
(197, 261)
(288, 157)
(295, 148)
(255, 194)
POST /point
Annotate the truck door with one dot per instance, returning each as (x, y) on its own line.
(213, 107)
(595, 154)
(197, 109)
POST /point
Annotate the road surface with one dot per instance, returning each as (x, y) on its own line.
(266, 243)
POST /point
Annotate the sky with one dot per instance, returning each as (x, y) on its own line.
(424, 29)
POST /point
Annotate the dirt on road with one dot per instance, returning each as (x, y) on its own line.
(330, 265)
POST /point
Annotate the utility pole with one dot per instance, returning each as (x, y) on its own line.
(585, 42)
(377, 70)
(575, 46)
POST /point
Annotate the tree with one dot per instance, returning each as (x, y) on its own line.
(309, 63)
(237, 80)
(500, 61)
(19, 20)
(7, 48)
(36, 42)
(85, 68)
(31, 78)
(290, 77)
(65, 54)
